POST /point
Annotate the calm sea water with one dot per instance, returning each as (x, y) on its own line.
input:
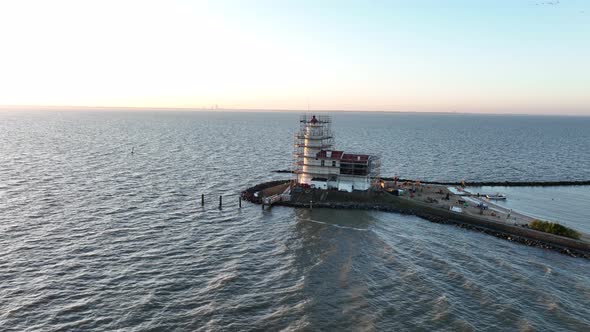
(94, 238)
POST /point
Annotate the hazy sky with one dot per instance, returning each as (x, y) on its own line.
(419, 55)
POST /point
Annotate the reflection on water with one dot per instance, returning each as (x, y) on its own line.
(347, 219)
(333, 242)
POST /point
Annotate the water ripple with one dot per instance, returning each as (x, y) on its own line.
(94, 238)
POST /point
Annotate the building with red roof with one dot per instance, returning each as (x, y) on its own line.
(318, 165)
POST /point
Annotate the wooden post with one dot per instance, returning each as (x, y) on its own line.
(220, 201)
(240, 202)
(202, 199)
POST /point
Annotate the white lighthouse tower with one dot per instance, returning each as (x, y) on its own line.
(319, 166)
(314, 135)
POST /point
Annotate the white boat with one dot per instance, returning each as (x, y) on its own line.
(497, 197)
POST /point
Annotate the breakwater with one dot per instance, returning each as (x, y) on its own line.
(484, 183)
(511, 233)
(383, 201)
(501, 183)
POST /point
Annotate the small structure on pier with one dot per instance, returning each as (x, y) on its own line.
(318, 165)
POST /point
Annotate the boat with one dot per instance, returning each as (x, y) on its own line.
(497, 197)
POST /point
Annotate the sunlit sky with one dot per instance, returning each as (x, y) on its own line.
(511, 56)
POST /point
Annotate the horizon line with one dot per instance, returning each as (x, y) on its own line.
(262, 110)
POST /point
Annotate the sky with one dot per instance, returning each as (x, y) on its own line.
(513, 56)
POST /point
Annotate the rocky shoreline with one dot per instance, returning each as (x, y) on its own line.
(448, 221)
(518, 234)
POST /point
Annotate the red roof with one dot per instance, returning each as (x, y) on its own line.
(313, 119)
(349, 157)
(346, 157)
(336, 155)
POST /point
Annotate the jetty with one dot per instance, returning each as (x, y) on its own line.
(435, 203)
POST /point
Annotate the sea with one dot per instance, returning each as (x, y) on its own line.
(102, 227)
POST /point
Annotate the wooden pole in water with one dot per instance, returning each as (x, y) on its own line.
(240, 202)
(220, 201)
(202, 199)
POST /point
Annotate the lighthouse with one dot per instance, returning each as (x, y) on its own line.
(314, 136)
(318, 165)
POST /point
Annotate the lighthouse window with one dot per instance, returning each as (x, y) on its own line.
(333, 163)
(322, 163)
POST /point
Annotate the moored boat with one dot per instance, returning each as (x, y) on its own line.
(497, 197)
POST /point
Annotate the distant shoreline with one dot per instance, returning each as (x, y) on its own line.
(269, 110)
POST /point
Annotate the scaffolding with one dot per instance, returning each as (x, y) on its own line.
(370, 169)
(375, 170)
(314, 135)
